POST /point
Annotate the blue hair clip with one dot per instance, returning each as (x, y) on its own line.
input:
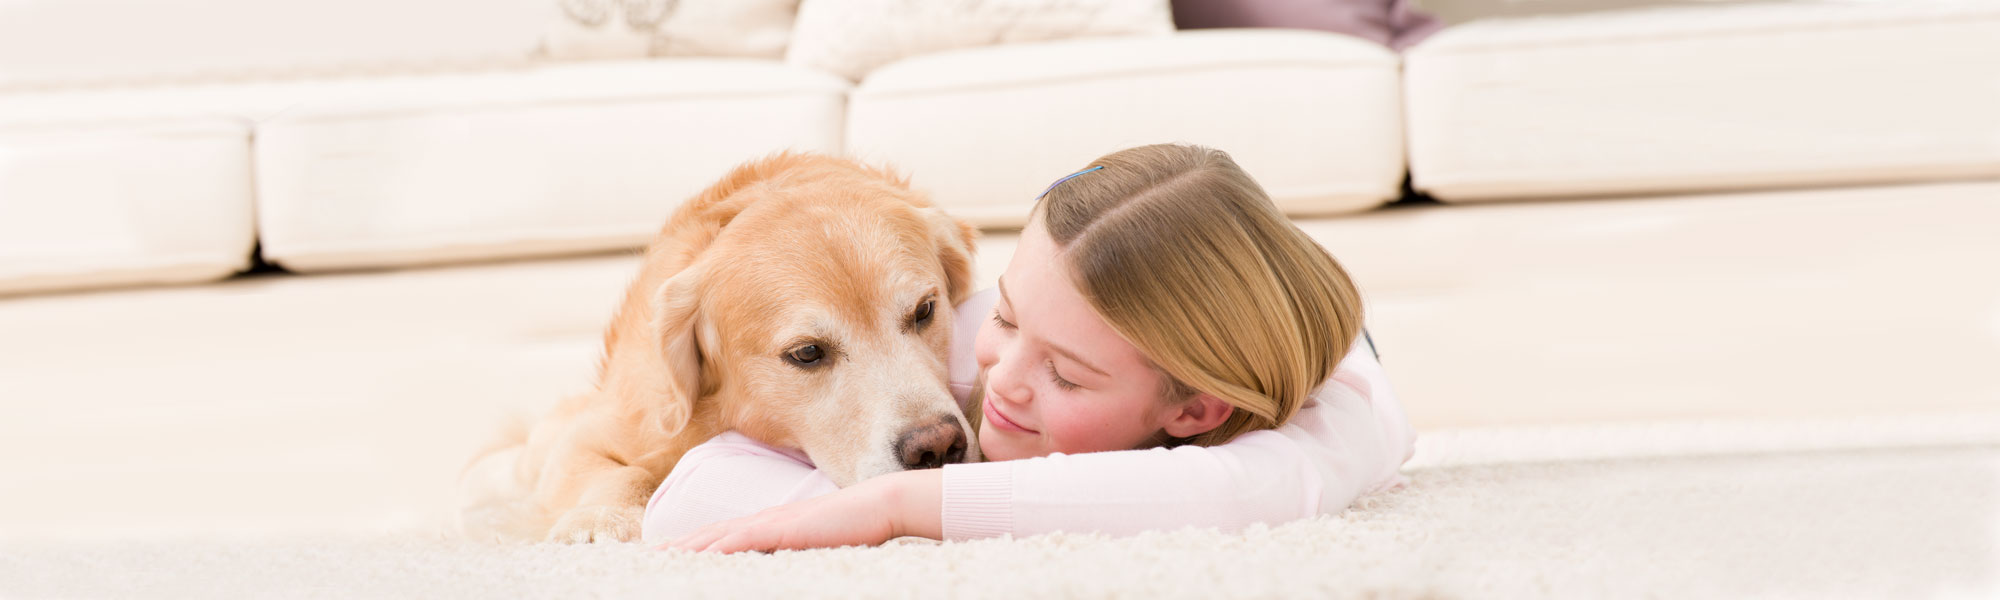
(1058, 182)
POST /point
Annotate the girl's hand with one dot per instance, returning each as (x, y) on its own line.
(866, 514)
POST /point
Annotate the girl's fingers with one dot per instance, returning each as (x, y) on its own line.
(735, 542)
(701, 538)
(761, 531)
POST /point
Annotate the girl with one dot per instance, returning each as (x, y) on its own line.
(1164, 350)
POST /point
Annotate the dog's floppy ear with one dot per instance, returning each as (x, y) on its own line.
(677, 326)
(955, 250)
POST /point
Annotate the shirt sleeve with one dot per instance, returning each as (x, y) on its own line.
(1349, 439)
(724, 478)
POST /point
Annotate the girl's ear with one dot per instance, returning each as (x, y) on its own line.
(1197, 415)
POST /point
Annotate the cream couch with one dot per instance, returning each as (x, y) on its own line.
(1672, 99)
(140, 142)
(353, 134)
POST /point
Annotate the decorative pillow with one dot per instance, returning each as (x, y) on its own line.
(601, 29)
(853, 37)
(1392, 23)
(747, 28)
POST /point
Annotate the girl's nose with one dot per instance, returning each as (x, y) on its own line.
(1007, 378)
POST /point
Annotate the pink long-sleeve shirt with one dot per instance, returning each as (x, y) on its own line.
(1349, 439)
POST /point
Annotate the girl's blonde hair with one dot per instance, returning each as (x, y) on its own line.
(1186, 257)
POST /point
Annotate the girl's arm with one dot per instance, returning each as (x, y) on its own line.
(724, 478)
(1350, 440)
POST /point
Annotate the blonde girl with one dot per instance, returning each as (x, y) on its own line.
(1165, 349)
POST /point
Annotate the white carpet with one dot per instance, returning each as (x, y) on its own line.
(1800, 510)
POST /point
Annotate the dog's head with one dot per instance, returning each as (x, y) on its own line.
(819, 318)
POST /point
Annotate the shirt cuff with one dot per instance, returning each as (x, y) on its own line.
(978, 500)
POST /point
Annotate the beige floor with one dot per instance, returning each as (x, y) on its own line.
(1809, 526)
(344, 403)
(1837, 302)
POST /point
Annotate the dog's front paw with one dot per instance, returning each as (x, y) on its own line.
(586, 524)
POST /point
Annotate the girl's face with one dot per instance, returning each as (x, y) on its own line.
(1058, 378)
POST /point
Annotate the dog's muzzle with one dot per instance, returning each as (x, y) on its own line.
(931, 446)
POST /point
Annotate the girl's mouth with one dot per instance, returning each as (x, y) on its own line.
(1000, 420)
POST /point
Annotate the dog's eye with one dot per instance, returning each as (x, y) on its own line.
(923, 314)
(805, 356)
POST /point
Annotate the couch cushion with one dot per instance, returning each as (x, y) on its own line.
(91, 206)
(1313, 116)
(105, 187)
(47, 43)
(1706, 97)
(588, 156)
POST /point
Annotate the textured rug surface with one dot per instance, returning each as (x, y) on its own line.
(1882, 520)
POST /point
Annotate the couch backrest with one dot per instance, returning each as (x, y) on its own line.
(1461, 11)
(66, 43)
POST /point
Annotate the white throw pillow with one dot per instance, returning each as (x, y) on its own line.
(611, 29)
(747, 28)
(853, 37)
(601, 29)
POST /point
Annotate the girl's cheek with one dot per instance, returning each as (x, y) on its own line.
(1056, 422)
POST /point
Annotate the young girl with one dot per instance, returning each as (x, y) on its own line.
(1164, 350)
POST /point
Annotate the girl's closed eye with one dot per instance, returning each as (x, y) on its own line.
(1001, 321)
(1058, 379)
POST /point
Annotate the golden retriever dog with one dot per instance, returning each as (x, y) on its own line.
(803, 300)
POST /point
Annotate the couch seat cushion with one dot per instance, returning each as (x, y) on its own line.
(558, 159)
(1684, 98)
(84, 206)
(1315, 117)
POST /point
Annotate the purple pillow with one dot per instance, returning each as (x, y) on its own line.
(1392, 23)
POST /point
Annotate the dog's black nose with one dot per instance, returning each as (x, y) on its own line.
(932, 446)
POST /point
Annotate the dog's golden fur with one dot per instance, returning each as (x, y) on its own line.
(788, 251)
